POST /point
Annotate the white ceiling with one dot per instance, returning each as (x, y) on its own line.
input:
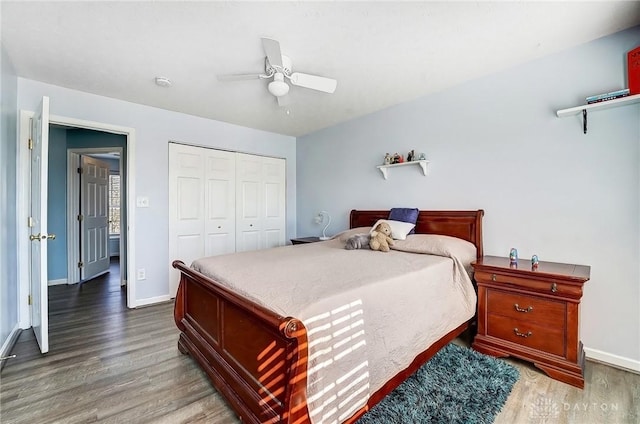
(381, 53)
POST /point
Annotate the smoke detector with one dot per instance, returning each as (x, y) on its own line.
(163, 82)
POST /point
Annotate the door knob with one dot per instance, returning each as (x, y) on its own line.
(38, 237)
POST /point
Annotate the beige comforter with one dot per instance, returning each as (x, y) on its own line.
(368, 314)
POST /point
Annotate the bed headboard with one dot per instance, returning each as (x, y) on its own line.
(466, 225)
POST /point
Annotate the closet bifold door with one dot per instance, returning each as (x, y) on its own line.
(260, 202)
(273, 188)
(249, 201)
(201, 205)
(220, 202)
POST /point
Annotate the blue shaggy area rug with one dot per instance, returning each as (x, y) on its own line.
(458, 385)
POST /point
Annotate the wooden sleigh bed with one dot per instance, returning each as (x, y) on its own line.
(257, 359)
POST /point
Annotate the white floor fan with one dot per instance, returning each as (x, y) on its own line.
(278, 67)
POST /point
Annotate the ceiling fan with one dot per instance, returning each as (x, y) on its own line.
(278, 67)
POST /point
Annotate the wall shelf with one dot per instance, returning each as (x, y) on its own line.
(622, 101)
(385, 168)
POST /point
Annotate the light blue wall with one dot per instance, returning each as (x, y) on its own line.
(57, 205)
(154, 128)
(495, 143)
(60, 140)
(8, 200)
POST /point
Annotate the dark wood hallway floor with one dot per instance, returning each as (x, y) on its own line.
(106, 363)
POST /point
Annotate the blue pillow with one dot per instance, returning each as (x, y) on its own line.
(404, 215)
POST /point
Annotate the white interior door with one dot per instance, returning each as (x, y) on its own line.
(94, 225)
(220, 202)
(38, 223)
(273, 187)
(249, 202)
(186, 207)
(201, 205)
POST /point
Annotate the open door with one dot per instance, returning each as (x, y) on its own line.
(94, 225)
(39, 145)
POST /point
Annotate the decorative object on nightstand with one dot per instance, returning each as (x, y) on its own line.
(320, 218)
(532, 314)
(513, 256)
(304, 240)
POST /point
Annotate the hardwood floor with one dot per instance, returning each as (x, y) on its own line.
(106, 363)
(610, 396)
(110, 364)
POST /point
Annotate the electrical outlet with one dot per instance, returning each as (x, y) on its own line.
(142, 274)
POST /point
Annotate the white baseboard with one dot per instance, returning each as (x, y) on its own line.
(57, 282)
(11, 340)
(613, 360)
(152, 300)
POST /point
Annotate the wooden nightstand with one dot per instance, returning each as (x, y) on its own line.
(532, 314)
(304, 240)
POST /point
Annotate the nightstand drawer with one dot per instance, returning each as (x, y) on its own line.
(549, 339)
(526, 308)
(538, 284)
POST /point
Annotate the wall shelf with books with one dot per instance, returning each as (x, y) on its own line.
(622, 101)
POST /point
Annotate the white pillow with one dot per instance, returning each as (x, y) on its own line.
(399, 229)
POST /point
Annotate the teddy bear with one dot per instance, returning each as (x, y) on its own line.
(381, 237)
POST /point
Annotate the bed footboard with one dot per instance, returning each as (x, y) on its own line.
(255, 358)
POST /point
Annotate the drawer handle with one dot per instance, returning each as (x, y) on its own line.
(554, 287)
(519, 309)
(519, 334)
(493, 277)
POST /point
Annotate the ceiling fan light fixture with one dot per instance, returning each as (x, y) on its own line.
(278, 87)
(277, 69)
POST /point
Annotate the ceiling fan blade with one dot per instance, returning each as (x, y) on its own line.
(239, 77)
(284, 100)
(272, 50)
(314, 82)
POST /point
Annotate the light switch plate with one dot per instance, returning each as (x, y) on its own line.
(142, 202)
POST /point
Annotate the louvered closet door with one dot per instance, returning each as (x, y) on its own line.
(220, 201)
(273, 189)
(249, 201)
(186, 207)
